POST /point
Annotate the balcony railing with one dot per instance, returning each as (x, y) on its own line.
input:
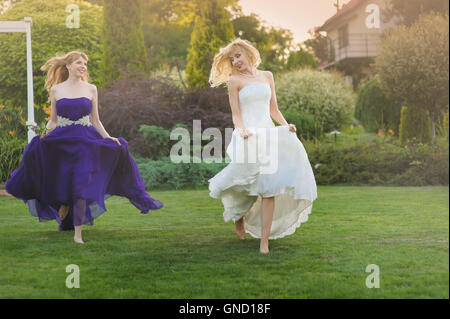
(355, 45)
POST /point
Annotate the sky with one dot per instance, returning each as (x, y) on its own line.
(296, 15)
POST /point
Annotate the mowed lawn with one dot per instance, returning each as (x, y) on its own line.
(185, 250)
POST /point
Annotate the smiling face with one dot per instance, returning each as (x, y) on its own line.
(78, 67)
(239, 60)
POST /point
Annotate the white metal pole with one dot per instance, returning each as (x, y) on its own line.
(30, 123)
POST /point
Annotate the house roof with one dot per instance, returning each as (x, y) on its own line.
(346, 8)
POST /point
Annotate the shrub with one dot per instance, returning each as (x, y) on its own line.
(153, 142)
(414, 123)
(379, 163)
(442, 125)
(307, 127)
(130, 103)
(445, 125)
(374, 110)
(12, 123)
(11, 150)
(164, 174)
(322, 94)
(357, 163)
(158, 101)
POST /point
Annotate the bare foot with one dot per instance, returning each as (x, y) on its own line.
(264, 246)
(78, 240)
(239, 228)
(63, 212)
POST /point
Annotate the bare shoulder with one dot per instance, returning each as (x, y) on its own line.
(268, 74)
(54, 91)
(55, 88)
(233, 82)
(92, 88)
(233, 79)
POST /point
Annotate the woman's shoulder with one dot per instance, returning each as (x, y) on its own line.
(92, 87)
(233, 81)
(233, 78)
(267, 73)
(56, 87)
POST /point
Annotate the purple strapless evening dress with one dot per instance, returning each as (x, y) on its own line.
(75, 166)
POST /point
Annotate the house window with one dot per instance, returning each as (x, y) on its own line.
(343, 36)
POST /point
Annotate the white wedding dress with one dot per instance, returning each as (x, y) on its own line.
(271, 162)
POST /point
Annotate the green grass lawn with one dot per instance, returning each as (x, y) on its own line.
(185, 250)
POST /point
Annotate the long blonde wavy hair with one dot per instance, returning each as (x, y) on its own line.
(58, 72)
(222, 67)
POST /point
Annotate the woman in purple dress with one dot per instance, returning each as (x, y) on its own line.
(68, 171)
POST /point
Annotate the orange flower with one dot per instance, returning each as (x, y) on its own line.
(47, 110)
(2, 106)
(391, 131)
(12, 133)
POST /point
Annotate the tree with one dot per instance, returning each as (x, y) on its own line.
(123, 40)
(166, 37)
(167, 44)
(410, 10)
(299, 59)
(169, 24)
(414, 124)
(318, 44)
(274, 44)
(212, 30)
(49, 37)
(374, 110)
(413, 65)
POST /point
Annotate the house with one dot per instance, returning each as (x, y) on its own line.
(353, 36)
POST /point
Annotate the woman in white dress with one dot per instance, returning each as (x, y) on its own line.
(268, 188)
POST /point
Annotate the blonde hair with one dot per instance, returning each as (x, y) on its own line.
(222, 67)
(58, 72)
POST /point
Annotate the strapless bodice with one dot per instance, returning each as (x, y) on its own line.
(254, 100)
(73, 108)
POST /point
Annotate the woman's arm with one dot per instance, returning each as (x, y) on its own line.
(233, 96)
(53, 116)
(274, 111)
(95, 119)
(51, 124)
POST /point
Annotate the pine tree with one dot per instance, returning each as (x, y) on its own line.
(414, 123)
(123, 40)
(212, 30)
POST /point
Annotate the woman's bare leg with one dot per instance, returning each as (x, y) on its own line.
(79, 218)
(77, 238)
(268, 205)
(239, 228)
